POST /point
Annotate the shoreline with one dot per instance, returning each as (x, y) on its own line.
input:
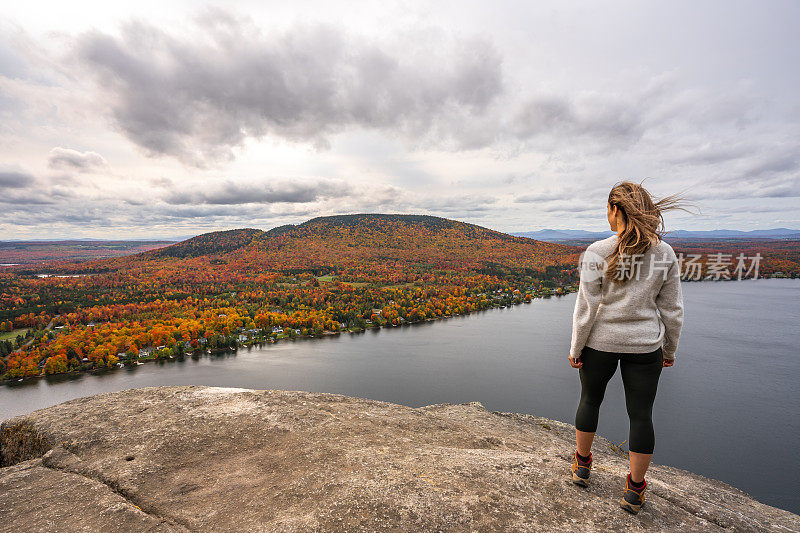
(206, 351)
(566, 290)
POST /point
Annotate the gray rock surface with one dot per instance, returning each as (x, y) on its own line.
(215, 459)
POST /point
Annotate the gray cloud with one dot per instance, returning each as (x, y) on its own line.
(544, 196)
(598, 117)
(777, 188)
(21, 201)
(75, 160)
(161, 182)
(221, 213)
(711, 154)
(194, 212)
(765, 209)
(772, 164)
(199, 98)
(230, 193)
(15, 180)
(11, 64)
(574, 207)
(771, 173)
(464, 204)
(22, 192)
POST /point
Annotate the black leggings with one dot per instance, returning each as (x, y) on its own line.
(640, 373)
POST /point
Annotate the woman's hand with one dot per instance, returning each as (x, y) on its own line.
(669, 362)
(575, 364)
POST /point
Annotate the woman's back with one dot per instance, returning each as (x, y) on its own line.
(637, 316)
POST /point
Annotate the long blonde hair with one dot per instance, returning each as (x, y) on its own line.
(644, 224)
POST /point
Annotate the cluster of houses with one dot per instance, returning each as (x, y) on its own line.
(249, 334)
(243, 337)
(144, 352)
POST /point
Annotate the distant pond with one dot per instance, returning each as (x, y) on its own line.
(732, 398)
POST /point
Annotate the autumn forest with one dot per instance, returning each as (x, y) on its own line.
(329, 275)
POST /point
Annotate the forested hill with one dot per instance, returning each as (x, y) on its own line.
(386, 223)
(367, 237)
(209, 243)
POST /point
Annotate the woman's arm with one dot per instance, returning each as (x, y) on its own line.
(670, 306)
(589, 298)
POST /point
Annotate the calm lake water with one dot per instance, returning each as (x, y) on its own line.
(728, 409)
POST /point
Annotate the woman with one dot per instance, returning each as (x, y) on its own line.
(629, 312)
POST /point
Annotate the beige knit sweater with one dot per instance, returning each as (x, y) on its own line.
(636, 317)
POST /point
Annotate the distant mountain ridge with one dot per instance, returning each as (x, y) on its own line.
(563, 234)
(409, 232)
(775, 233)
(554, 235)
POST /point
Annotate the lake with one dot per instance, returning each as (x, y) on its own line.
(728, 409)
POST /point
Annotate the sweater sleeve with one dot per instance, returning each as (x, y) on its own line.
(670, 306)
(589, 297)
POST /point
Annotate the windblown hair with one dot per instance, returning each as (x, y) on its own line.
(644, 226)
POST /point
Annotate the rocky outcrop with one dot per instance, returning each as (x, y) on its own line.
(214, 459)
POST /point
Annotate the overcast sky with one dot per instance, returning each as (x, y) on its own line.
(165, 119)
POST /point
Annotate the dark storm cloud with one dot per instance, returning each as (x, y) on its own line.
(75, 160)
(199, 98)
(15, 180)
(230, 193)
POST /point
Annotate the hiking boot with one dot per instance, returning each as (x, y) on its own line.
(633, 499)
(581, 470)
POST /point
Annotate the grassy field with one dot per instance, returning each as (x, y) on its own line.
(10, 335)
